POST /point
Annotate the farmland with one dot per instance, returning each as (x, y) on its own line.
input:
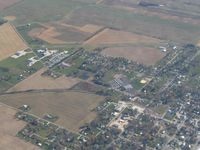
(7, 3)
(28, 11)
(61, 34)
(153, 26)
(38, 81)
(72, 108)
(125, 15)
(8, 130)
(110, 36)
(57, 33)
(29, 33)
(143, 55)
(10, 42)
(99, 74)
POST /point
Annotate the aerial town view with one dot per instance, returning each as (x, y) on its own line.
(99, 74)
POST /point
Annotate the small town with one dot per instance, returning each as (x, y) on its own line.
(100, 74)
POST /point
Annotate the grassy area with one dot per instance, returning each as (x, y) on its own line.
(69, 70)
(23, 30)
(28, 11)
(161, 109)
(15, 70)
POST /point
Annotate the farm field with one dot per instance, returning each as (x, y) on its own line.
(10, 42)
(28, 11)
(8, 130)
(30, 32)
(125, 20)
(72, 108)
(163, 13)
(37, 82)
(60, 33)
(144, 55)
(198, 43)
(110, 36)
(10, 18)
(180, 25)
(49, 35)
(7, 3)
(88, 28)
(190, 7)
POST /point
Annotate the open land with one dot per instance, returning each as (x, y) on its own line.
(144, 55)
(48, 35)
(72, 108)
(60, 33)
(65, 34)
(198, 43)
(7, 3)
(153, 26)
(38, 81)
(13, 70)
(110, 36)
(10, 18)
(10, 42)
(90, 28)
(28, 11)
(8, 130)
(179, 25)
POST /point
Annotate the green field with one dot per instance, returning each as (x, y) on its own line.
(28, 11)
(23, 31)
(13, 70)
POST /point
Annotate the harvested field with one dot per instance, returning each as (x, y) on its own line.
(10, 42)
(144, 55)
(140, 23)
(7, 3)
(8, 130)
(49, 36)
(198, 44)
(70, 34)
(59, 33)
(90, 28)
(72, 108)
(10, 18)
(36, 32)
(109, 36)
(37, 82)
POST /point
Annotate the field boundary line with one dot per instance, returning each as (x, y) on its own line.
(20, 36)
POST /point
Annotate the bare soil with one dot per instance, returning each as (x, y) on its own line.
(73, 108)
(37, 81)
(109, 36)
(7, 3)
(144, 55)
(10, 42)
